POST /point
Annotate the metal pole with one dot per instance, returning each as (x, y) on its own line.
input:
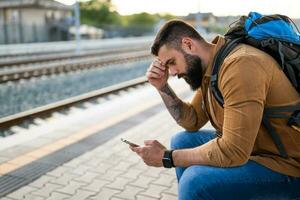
(77, 24)
(198, 19)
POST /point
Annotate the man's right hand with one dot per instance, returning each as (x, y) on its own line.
(157, 74)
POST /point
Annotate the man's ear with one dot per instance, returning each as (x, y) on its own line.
(187, 45)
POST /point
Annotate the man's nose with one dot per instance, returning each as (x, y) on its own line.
(173, 72)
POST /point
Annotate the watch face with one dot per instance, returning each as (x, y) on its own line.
(167, 162)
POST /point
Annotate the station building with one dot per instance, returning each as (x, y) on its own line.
(25, 21)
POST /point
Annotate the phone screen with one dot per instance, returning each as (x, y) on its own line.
(130, 143)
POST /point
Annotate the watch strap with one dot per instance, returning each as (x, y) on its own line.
(168, 156)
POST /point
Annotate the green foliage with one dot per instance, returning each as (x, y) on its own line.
(102, 14)
(142, 19)
(99, 13)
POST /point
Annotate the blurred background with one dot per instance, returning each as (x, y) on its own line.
(27, 21)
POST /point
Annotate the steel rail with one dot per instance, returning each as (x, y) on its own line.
(47, 110)
(30, 72)
(61, 56)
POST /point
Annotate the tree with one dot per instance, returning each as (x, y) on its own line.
(99, 13)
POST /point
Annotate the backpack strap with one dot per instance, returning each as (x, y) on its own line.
(274, 136)
(295, 61)
(276, 112)
(218, 60)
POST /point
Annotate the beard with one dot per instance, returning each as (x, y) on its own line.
(194, 72)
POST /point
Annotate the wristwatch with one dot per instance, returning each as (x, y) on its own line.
(167, 159)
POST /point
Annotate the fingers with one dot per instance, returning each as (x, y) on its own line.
(134, 149)
(150, 142)
(156, 70)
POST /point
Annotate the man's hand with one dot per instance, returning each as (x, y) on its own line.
(157, 74)
(152, 153)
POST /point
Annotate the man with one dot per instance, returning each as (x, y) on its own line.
(239, 160)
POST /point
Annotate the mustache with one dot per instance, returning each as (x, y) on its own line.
(185, 77)
(179, 76)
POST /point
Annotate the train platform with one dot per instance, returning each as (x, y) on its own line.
(78, 154)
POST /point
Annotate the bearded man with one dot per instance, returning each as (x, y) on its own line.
(237, 160)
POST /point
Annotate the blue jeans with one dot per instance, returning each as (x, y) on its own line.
(249, 181)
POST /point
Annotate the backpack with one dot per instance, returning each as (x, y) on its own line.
(275, 35)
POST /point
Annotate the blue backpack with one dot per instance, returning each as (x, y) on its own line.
(276, 35)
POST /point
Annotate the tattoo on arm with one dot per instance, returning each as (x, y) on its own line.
(172, 102)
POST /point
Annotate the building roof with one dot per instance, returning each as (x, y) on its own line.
(52, 4)
(192, 16)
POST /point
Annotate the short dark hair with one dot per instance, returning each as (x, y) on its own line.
(171, 34)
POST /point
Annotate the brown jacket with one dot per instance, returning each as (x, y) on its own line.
(249, 80)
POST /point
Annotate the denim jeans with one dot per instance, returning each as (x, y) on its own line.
(249, 181)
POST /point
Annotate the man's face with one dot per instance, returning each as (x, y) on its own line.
(182, 65)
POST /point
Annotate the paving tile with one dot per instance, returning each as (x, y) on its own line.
(82, 195)
(168, 197)
(153, 172)
(164, 180)
(101, 168)
(105, 194)
(116, 198)
(142, 181)
(19, 194)
(173, 190)
(81, 169)
(40, 182)
(33, 197)
(110, 175)
(140, 165)
(103, 153)
(132, 173)
(154, 191)
(142, 197)
(58, 196)
(47, 190)
(119, 183)
(169, 172)
(96, 185)
(129, 193)
(64, 179)
(114, 159)
(122, 166)
(71, 188)
(87, 177)
(93, 162)
(73, 163)
(59, 171)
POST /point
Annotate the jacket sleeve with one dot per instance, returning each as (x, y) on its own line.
(193, 115)
(244, 85)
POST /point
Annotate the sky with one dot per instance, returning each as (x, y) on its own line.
(217, 7)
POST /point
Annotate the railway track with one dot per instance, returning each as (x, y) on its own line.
(37, 58)
(45, 111)
(45, 69)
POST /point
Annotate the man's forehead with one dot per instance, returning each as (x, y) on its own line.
(166, 53)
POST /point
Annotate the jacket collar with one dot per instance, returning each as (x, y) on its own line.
(218, 42)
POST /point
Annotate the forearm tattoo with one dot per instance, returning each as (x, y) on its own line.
(172, 102)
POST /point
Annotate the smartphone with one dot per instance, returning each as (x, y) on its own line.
(130, 143)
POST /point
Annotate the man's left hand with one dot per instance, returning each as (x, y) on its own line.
(152, 153)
